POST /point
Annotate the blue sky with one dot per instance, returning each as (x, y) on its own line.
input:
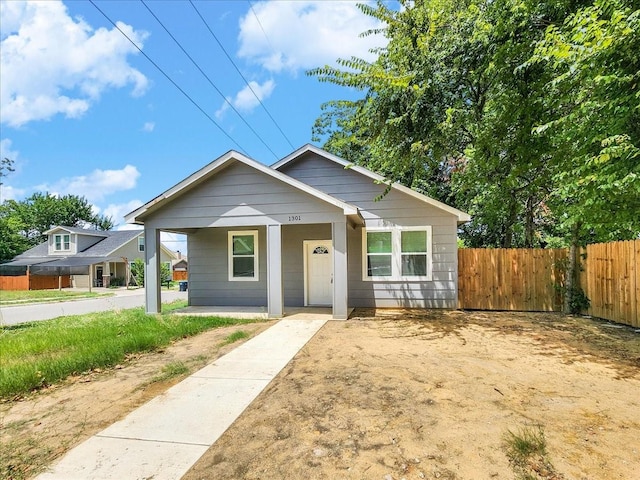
(84, 112)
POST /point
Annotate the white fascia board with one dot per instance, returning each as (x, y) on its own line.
(462, 216)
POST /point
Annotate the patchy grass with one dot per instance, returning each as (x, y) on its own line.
(19, 297)
(526, 449)
(35, 355)
(234, 337)
(171, 370)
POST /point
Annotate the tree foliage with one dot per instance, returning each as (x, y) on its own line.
(594, 119)
(523, 113)
(23, 223)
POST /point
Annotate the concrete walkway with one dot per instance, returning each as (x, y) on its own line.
(165, 437)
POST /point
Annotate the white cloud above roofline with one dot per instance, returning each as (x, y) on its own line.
(302, 35)
(54, 64)
(245, 101)
(96, 185)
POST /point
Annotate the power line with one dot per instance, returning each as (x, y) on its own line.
(238, 70)
(208, 79)
(260, 24)
(170, 79)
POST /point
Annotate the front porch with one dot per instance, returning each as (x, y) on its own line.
(302, 265)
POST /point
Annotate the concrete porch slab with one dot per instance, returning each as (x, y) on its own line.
(290, 313)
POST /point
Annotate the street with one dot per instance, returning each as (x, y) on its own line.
(123, 299)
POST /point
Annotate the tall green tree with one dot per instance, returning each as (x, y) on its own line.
(23, 223)
(594, 123)
(449, 108)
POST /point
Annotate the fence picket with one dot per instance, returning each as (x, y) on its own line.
(528, 279)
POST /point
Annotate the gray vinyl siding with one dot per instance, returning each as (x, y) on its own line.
(293, 237)
(209, 271)
(395, 209)
(130, 251)
(242, 196)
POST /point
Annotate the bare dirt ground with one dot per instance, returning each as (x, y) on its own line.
(386, 395)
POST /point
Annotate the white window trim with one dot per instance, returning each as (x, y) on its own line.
(62, 242)
(141, 244)
(396, 255)
(256, 249)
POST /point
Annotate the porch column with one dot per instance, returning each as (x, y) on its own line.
(152, 269)
(340, 293)
(106, 274)
(275, 300)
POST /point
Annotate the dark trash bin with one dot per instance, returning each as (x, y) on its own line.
(183, 286)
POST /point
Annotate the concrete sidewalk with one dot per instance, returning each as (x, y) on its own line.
(166, 436)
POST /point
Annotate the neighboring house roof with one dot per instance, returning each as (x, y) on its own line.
(181, 264)
(138, 215)
(101, 251)
(462, 216)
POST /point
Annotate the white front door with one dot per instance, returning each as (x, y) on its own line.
(318, 272)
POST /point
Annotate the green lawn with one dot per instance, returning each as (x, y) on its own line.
(8, 297)
(34, 355)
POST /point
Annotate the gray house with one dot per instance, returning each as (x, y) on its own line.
(307, 231)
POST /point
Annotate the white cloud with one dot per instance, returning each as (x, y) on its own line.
(148, 127)
(7, 192)
(245, 100)
(52, 63)
(306, 34)
(6, 151)
(97, 185)
(117, 211)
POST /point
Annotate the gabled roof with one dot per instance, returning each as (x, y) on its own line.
(462, 216)
(82, 231)
(137, 216)
(112, 240)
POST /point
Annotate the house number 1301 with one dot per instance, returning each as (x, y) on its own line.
(295, 218)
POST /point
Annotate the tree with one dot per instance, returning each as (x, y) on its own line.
(6, 167)
(137, 272)
(449, 109)
(24, 222)
(594, 123)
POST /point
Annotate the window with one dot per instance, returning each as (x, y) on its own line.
(379, 254)
(243, 255)
(401, 253)
(141, 244)
(413, 249)
(62, 242)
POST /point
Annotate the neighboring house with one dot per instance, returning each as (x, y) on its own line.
(309, 230)
(179, 268)
(90, 257)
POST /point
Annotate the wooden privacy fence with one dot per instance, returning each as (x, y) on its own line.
(533, 279)
(611, 280)
(33, 282)
(511, 279)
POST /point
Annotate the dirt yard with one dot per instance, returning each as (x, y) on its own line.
(386, 395)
